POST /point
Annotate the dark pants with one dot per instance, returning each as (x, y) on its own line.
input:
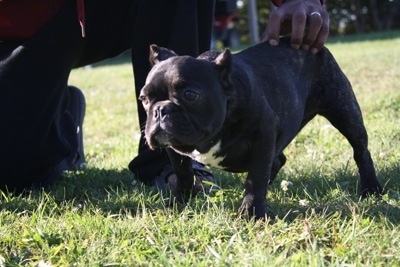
(35, 131)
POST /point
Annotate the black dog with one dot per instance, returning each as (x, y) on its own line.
(238, 112)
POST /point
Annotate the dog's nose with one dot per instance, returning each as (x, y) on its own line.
(160, 112)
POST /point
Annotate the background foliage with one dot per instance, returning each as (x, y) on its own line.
(346, 16)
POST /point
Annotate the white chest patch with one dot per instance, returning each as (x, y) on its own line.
(209, 158)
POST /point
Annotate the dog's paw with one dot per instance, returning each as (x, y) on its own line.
(372, 190)
(253, 209)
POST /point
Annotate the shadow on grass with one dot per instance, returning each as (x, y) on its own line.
(330, 196)
(112, 192)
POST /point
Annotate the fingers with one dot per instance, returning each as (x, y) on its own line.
(272, 32)
(314, 27)
(298, 26)
(322, 36)
(276, 27)
(318, 31)
(310, 24)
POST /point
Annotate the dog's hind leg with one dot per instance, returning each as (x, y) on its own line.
(344, 113)
(335, 100)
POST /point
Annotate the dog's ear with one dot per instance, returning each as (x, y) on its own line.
(223, 61)
(158, 54)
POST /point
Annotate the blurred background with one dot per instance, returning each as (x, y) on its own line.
(243, 21)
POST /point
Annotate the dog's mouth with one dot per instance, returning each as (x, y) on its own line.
(169, 126)
(162, 138)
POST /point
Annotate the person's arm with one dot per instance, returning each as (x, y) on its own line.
(309, 23)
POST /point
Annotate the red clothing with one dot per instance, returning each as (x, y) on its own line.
(22, 18)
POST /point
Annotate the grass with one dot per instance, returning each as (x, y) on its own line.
(97, 217)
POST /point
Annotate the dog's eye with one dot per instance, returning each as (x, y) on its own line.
(191, 96)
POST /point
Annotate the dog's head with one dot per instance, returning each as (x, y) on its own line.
(185, 99)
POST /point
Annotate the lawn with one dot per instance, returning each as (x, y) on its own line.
(97, 217)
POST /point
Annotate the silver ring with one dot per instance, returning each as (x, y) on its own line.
(315, 13)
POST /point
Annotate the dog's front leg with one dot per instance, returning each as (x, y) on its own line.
(254, 202)
(182, 167)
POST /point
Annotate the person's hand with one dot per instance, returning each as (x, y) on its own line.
(309, 24)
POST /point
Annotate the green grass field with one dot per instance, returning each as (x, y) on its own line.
(97, 217)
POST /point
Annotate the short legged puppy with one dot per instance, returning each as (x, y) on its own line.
(238, 112)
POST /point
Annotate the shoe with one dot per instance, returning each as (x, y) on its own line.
(77, 109)
(204, 179)
(167, 181)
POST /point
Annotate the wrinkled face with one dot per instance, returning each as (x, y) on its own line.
(185, 103)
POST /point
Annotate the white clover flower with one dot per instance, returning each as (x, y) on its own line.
(285, 185)
(2, 261)
(304, 202)
(44, 264)
(304, 235)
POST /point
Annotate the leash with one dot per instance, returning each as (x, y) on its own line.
(81, 16)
